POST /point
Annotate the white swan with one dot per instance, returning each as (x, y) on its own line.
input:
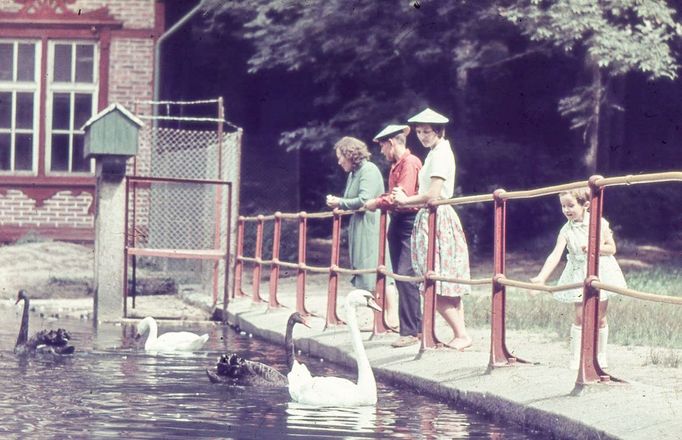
(171, 341)
(336, 391)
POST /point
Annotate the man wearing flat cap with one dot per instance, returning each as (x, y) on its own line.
(404, 174)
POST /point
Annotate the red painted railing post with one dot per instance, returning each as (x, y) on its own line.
(590, 371)
(429, 339)
(499, 355)
(274, 268)
(301, 273)
(380, 326)
(332, 317)
(258, 266)
(238, 263)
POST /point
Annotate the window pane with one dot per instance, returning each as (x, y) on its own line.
(23, 152)
(24, 110)
(60, 152)
(26, 62)
(82, 109)
(84, 63)
(5, 110)
(4, 151)
(61, 110)
(6, 61)
(62, 62)
(78, 162)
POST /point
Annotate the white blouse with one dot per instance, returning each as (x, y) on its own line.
(440, 162)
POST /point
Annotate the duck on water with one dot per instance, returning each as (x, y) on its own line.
(54, 342)
(234, 370)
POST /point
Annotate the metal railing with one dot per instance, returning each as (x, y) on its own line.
(589, 371)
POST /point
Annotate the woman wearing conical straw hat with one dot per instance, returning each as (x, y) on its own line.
(437, 182)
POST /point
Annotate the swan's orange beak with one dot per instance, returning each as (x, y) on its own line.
(373, 305)
(17, 302)
(305, 322)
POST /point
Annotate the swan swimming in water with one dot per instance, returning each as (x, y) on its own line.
(234, 370)
(171, 341)
(55, 342)
(336, 391)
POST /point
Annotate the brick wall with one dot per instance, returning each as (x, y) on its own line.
(63, 210)
(131, 71)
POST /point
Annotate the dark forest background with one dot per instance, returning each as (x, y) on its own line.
(539, 93)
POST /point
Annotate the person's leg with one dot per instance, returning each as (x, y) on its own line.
(409, 305)
(452, 310)
(603, 336)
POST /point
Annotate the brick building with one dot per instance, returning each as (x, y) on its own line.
(61, 61)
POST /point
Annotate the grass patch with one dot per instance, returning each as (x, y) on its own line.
(631, 321)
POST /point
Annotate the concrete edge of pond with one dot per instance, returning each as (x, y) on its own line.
(532, 396)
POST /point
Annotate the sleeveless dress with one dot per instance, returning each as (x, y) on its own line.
(575, 233)
(452, 253)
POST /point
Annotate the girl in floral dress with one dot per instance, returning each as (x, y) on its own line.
(437, 182)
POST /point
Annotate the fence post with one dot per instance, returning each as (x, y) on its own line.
(301, 273)
(332, 317)
(238, 263)
(126, 243)
(499, 355)
(429, 339)
(590, 371)
(380, 326)
(274, 268)
(259, 265)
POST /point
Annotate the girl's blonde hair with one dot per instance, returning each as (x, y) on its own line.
(581, 195)
(353, 149)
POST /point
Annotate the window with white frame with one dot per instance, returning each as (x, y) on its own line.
(72, 98)
(19, 108)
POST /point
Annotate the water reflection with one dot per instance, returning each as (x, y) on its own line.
(111, 388)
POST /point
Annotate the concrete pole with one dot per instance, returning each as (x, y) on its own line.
(109, 242)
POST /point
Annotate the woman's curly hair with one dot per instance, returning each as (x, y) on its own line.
(353, 149)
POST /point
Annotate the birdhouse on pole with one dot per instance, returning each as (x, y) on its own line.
(111, 137)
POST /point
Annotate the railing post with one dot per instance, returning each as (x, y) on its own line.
(499, 355)
(332, 317)
(238, 263)
(226, 285)
(126, 243)
(429, 339)
(301, 273)
(380, 326)
(274, 268)
(259, 254)
(590, 371)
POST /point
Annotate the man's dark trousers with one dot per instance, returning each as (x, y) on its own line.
(409, 305)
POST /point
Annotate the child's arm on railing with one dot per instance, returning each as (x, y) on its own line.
(551, 262)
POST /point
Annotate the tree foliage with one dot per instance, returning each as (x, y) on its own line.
(612, 38)
(374, 61)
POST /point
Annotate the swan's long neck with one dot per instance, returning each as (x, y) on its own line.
(365, 374)
(289, 344)
(23, 330)
(153, 333)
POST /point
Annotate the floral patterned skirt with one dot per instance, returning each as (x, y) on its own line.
(452, 253)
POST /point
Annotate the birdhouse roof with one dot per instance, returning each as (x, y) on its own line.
(110, 109)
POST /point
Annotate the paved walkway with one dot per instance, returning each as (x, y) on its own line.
(537, 395)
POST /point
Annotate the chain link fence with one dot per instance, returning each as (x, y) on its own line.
(181, 221)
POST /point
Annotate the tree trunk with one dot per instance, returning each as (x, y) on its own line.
(592, 132)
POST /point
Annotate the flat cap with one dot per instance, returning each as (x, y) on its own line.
(391, 130)
(428, 116)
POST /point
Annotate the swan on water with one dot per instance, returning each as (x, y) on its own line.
(235, 370)
(55, 342)
(171, 341)
(336, 391)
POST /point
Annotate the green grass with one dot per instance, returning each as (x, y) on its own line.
(631, 321)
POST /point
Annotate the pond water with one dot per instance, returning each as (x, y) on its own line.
(111, 389)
